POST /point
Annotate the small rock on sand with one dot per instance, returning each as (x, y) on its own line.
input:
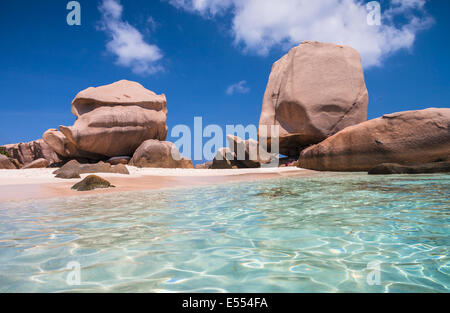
(92, 182)
(73, 169)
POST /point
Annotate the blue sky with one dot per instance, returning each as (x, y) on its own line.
(194, 51)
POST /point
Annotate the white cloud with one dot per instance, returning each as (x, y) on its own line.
(239, 87)
(259, 26)
(204, 7)
(126, 42)
(152, 23)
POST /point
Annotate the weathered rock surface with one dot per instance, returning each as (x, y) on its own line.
(204, 166)
(159, 154)
(392, 168)
(119, 160)
(64, 148)
(224, 159)
(68, 174)
(406, 138)
(114, 120)
(247, 152)
(314, 91)
(242, 154)
(92, 182)
(73, 169)
(6, 164)
(28, 152)
(39, 163)
(16, 163)
(185, 163)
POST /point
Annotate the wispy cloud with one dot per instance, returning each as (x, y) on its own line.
(152, 23)
(259, 26)
(126, 42)
(239, 87)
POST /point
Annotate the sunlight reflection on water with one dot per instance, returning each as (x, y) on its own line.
(287, 235)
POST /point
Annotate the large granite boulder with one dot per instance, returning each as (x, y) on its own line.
(159, 154)
(314, 91)
(114, 120)
(28, 152)
(406, 138)
(6, 164)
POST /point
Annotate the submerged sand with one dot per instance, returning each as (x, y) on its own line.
(40, 183)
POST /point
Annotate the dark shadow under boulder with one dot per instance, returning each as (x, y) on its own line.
(286, 162)
(393, 168)
(119, 160)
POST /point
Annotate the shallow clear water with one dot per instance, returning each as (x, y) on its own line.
(318, 234)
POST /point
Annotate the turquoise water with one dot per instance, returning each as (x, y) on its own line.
(288, 235)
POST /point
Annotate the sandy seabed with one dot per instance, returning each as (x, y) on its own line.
(41, 183)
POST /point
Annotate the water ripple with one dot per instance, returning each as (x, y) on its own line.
(287, 235)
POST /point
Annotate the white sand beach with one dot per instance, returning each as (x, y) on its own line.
(41, 183)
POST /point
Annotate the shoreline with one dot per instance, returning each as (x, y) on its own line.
(35, 184)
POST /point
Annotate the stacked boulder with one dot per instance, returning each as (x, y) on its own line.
(316, 96)
(314, 91)
(315, 104)
(66, 149)
(112, 122)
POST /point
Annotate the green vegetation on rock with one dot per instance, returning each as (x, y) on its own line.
(2, 152)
